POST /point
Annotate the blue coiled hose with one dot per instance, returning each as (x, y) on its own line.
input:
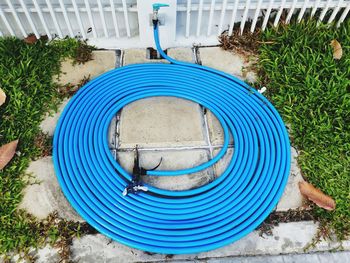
(162, 221)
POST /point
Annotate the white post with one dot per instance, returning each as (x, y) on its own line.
(167, 31)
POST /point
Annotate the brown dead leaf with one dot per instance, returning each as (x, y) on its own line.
(2, 97)
(337, 49)
(30, 39)
(316, 196)
(7, 151)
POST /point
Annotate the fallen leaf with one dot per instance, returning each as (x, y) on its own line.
(2, 97)
(7, 151)
(316, 196)
(337, 49)
(31, 39)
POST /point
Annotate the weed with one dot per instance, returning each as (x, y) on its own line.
(311, 90)
(26, 73)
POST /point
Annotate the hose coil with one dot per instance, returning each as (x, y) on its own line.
(162, 221)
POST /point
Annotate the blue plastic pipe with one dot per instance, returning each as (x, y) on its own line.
(162, 221)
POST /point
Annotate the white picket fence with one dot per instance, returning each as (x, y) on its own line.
(126, 23)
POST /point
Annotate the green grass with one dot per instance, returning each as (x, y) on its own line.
(26, 76)
(312, 92)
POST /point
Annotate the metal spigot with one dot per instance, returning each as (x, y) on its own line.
(156, 8)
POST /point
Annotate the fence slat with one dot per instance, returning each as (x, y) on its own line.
(324, 11)
(7, 24)
(103, 19)
(42, 20)
(245, 14)
(316, 6)
(267, 15)
(188, 18)
(302, 11)
(115, 21)
(222, 16)
(211, 14)
(343, 15)
(66, 18)
(291, 11)
(233, 18)
(335, 11)
(31, 23)
(53, 16)
(256, 15)
(91, 19)
(126, 18)
(279, 13)
(15, 15)
(199, 20)
(77, 14)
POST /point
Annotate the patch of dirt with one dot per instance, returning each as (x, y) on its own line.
(69, 90)
(284, 217)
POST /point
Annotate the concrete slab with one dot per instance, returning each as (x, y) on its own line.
(48, 125)
(161, 122)
(292, 198)
(287, 238)
(222, 164)
(216, 133)
(182, 54)
(46, 197)
(135, 56)
(102, 61)
(171, 160)
(234, 64)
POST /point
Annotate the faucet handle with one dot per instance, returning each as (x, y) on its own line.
(157, 6)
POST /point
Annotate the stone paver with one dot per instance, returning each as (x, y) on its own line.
(216, 133)
(135, 56)
(46, 197)
(102, 61)
(287, 238)
(48, 125)
(292, 198)
(161, 122)
(171, 160)
(226, 61)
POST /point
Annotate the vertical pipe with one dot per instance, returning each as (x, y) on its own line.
(324, 11)
(91, 19)
(335, 11)
(42, 20)
(52, 13)
(188, 18)
(77, 14)
(222, 16)
(291, 11)
(103, 19)
(126, 18)
(256, 15)
(66, 18)
(343, 15)
(233, 17)
(211, 14)
(279, 13)
(267, 15)
(7, 24)
(302, 11)
(31, 23)
(314, 9)
(115, 21)
(199, 21)
(15, 15)
(245, 14)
